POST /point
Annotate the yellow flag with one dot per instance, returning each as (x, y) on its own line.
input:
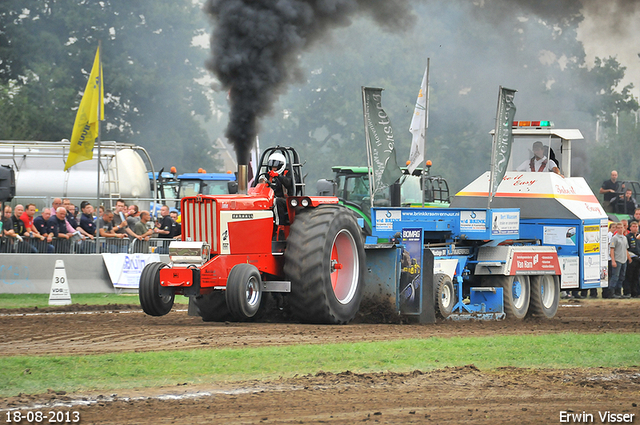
(85, 129)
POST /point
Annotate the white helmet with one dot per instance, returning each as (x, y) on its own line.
(277, 159)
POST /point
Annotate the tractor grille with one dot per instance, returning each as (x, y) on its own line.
(199, 220)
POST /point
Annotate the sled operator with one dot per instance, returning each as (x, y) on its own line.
(539, 162)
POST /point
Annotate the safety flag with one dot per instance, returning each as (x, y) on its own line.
(419, 125)
(86, 128)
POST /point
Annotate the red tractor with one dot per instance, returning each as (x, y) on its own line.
(232, 254)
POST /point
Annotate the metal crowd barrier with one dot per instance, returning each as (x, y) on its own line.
(83, 246)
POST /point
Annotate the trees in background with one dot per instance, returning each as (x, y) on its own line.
(150, 70)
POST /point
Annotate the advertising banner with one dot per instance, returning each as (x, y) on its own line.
(410, 287)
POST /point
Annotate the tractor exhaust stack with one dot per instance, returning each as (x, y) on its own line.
(242, 179)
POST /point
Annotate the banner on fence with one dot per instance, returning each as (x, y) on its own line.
(125, 269)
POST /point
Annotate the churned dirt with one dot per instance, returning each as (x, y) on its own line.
(449, 395)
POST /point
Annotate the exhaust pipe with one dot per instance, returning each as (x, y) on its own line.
(243, 178)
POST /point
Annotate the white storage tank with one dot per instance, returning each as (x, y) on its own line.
(40, 175)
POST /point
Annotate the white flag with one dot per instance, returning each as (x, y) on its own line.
(417, 127)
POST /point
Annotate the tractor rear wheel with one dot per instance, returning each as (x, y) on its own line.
(149, 291)
(516, 294)
(325, 262)
(446, 296)
(545, 295)
(211, 307)
(244, 291)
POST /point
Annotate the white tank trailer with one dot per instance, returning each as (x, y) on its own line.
(40, 175)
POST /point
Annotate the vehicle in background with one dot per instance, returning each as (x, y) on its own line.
(351, 186)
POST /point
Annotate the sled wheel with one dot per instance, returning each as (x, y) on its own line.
(545, 295)
(244, 291)
(211, 307)
(516, 294)
(149, 291)
(325, 262)
(446, 296)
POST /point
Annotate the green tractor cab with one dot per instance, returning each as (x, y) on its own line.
(351, 186)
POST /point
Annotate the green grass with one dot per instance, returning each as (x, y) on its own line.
(42, 300)
(132, 370)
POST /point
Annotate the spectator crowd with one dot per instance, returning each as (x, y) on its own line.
(63, 228)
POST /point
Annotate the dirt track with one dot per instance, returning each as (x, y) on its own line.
(450, 395)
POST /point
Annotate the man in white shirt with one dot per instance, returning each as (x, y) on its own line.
(539, 162)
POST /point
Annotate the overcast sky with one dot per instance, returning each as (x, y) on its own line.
(604, 36)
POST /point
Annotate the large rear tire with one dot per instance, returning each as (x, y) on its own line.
(325, 262)
(545, 295)
(244, 291)
(446, 296)
(516, 292)
(149, 291)
(212, 307)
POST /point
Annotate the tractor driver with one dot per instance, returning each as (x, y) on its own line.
(281, 184)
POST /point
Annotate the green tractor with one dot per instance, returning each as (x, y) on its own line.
(351, 186)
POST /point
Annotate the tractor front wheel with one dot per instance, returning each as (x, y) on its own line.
(325, 262)
(244, 291)
(149, 291)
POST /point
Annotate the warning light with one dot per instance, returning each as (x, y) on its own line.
(532, 124)
(174, 170)
(429, 163)
(408, 162)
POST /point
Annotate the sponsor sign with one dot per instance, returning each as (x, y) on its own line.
(385, 218)
(604, 253)
(505, 223)
(591, 239)
(410, 287)
(570, 272)
(591, 267)
(535, 263)
(473, 221)
(559, 235)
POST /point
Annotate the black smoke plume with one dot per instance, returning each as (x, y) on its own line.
(256, 44)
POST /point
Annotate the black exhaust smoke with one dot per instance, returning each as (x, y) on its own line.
(256, 43)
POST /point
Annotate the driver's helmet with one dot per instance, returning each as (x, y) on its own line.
(277, 159)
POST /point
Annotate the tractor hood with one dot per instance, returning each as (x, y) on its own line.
(538, 195)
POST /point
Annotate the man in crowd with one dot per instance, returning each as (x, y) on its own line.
(27, 218)
(611, 189)
(7, 229)
(87, 226)
(120, 224)
(143, 233)
(106, 230)
(58, 225)
(177, 227)
(620, 257)
(626, 204)
(630, 285)
(164, 229)
(41, 223)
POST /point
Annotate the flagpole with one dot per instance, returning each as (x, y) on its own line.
(100, 94)
(424, 141)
